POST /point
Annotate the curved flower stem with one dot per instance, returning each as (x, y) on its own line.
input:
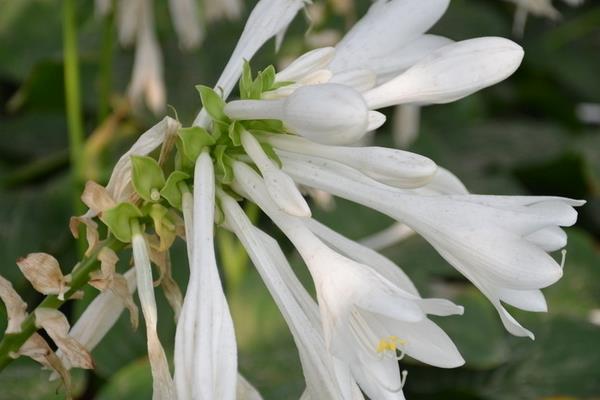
(80, 276)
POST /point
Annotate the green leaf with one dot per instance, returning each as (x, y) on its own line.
(148, 178)
(171, 191)
(194, 140)
(213, 103)
(224, 170)
(268, 149)
(118, 220)
(235, 133)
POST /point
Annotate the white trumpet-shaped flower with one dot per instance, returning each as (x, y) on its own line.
(366, 318)
(297, 307)
(500, 243)
(450, 73)
(147, 82)
(206, 351)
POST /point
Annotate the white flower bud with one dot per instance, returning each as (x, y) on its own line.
(450, 73)
(391, 166)
(328, 113)
(306, 64)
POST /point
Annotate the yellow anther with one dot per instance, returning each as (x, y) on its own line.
(390, 343)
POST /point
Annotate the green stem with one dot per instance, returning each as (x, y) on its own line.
(73, 98)
(73, 108)
(79, 277)
(105, 73)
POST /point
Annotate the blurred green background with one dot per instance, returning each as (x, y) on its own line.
(519, 137)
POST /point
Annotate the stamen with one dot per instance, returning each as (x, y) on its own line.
(564, 256)
(403, 378)
(391, 344)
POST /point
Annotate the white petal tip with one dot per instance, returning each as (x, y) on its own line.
(376, 119)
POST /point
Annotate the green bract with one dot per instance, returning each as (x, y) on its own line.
(193, 140)
(118, 220)
(164, 227)
(213, 103)
(172, 189)
(148, 178)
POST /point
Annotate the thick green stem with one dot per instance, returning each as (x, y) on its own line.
(73, 98)
(79, 277)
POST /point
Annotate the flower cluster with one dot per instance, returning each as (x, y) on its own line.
(299, 126)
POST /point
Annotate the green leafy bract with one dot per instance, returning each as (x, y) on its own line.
(194, 140)
(235, 133)
(224, 170)
(118, 220)
(171, 191)
(148, 178)
(212, 102)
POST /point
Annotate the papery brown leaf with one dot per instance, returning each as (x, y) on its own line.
(56, 325)
(16, 308)
(43, 272)
(91, 231)
(97, 198)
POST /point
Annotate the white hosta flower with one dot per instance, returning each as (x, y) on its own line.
(206, 352)
(498, 242)
(269, 18)
(327, 113)
(162, 383)
(377, 42)
(394, 167)
(147, 82)
(366, 317)
(450, 73)
(297, 307)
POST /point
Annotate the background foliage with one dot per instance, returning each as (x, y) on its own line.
(519, 137)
